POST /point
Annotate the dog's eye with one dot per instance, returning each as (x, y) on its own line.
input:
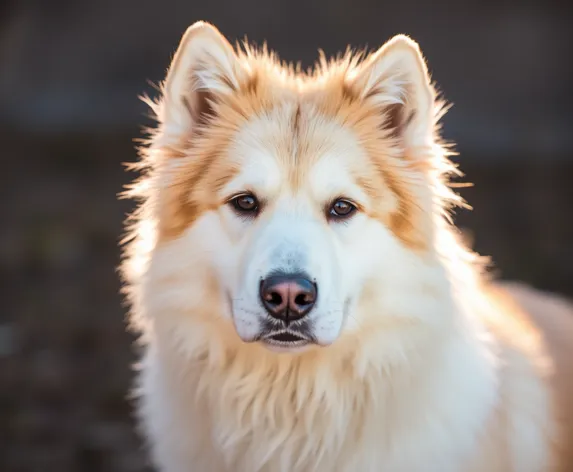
(341, 209)
(245, 203)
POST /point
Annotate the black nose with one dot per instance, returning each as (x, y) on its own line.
(288, 297)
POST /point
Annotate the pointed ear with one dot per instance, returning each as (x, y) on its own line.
(204, 68)
(395, 79)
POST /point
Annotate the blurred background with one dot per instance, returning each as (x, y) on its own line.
(70, 73)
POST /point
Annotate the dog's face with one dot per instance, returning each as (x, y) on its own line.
(293, 198)
(300, 231)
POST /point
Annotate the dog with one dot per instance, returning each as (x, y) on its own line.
(305, 302)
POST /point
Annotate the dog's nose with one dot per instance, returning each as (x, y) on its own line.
(288, 297)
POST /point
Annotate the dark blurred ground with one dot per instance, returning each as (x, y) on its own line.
(69, 75)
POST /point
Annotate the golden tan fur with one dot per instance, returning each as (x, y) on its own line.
(325, 93)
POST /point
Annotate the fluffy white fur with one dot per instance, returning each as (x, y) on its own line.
(410, 376)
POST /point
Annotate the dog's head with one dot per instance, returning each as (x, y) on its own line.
(287, 203)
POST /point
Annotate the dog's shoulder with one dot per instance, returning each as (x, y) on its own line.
(540, 325)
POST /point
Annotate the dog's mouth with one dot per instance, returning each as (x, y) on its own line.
(286, 338)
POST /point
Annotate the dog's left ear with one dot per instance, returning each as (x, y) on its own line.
(396, 80)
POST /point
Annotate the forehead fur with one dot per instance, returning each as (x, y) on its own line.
(302, 111)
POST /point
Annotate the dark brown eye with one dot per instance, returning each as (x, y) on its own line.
(341, 209)
(245, 204)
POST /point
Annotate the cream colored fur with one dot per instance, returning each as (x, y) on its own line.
(432, 369)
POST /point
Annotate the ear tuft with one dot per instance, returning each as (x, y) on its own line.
(204, 68)
(396, 80)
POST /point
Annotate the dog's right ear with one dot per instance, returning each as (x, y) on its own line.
(203, 68)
